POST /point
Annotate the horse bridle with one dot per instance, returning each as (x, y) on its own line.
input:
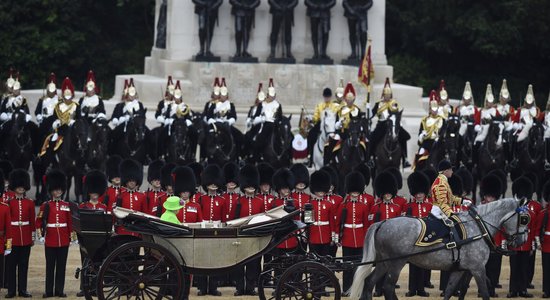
(523, 220)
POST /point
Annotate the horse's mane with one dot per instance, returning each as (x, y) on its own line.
(507, 203)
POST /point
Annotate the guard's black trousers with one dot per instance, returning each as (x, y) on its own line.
(3, 277)
(518, 272)
(492, 269)
(349, 254)
(207, 284)
(17, 267)
(247, 276)
(546, 273)
(417, 278)
(56, 263)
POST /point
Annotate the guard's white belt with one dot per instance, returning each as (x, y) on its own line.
(20, 223)
(57, 225)
(547, 233)
(353, 225)
(321, 223)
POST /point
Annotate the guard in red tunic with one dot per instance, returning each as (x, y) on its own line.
(166, 185)
(266, 179)
(155, 192)
(213, 211)
(197, 169)
(131, 177)
(301, 175)
(399, 200)
(5, 227)
(522, 188)
(335, 199)
(23, 233)
(54, 223)
(283, 182)
(322, 233)
(250, 204)
(385, 208)
(542, 240)
(113, 175)
(419, 207)
(367, 198)
(352, 222)
(231, 195)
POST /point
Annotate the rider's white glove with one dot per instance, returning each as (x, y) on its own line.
(477, 128)
(56, 124)
(168, 122)
(39, 118)
(125, 118)
(71, 122)
(160, 119)
(101, 116)
(188, 122)
(115, 122)
(4, 117)
(28, 118)
(422, 136)
(466, 202)
(211, 121)
(338, 125)
(7, 252)
(257, 120)
(248, 122)
(231, 121)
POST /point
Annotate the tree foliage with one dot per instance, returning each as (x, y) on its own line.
(469, 40)
(70, 37)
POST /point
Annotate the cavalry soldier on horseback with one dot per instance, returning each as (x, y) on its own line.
(260, 96)
(339, 93)
(443, 197)
(429, 130)
(9, 85)
(323, 231)
(176, 109)
(14, 102)
(223, 112)
(488, 113)
(523, 120)
(321, 109)
(46, 105)
(467, 110)
(129, 108)
(443, 99)
(91, 105)
(348, 111)
(214, 97)
(131, 177)
(166, 102)
(505, 113)
(385, 109)
(65, 113)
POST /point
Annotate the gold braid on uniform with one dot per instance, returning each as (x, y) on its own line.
(64, 117)
(388, 105)
(183, 113)
(429, 129)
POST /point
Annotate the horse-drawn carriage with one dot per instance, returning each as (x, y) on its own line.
(154, 265)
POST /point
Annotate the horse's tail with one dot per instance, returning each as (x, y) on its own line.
(363, 271)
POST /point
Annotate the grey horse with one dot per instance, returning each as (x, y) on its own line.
(395, 238)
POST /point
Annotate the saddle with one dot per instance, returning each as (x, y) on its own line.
(434, 231)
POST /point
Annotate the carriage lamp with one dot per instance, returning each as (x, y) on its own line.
(309, 218)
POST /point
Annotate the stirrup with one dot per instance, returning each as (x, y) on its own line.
(448, 222)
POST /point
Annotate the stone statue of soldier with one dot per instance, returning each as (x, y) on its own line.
(160, 41)
(356, 11)
(282, 12)
(207, 10)
(244, 11)
(318, 12)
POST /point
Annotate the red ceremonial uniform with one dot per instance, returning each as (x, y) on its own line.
(133, 200)
(92, 206)
(384, 210)
(112, 194)
(291, 242)
(58, 223)
(419, 210)
(230, 205)
(534, 210)
(152, 200)
(267, 200)
(190, 213)
(160, 204)
(368, 199)
(22, 221)
(543, 230)
(250, 206)
(5, 226)
(355, 224)
(7, 195)
(300, 199)
(320, 232)
(212, 208)
(336, 200)
(402, 202)
(196, 197)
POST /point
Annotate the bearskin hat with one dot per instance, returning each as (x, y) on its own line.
(231, 172)
(385, 183)
(212, 174)
(444, 165)
(283, 178)
(266, 173)
(166, 175)
(131, 170)
(534, 180)
(546, 192)
(6, 167)
(183, 180)
(365, 170)
(320, 182)
(503, 180)
(153, 171)
(19, 178)
(467, 179)
(197, 169)
(398, 177)
(355, 182)
(522, 188)
(56, 180)
(418, 182)
(490, 185)
(300, 173)
(95, 182)
(333, 175)
(249, 177)
(455, 182)
(112, 164)
(431, 173)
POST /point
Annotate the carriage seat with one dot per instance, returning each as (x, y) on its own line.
(434, 231)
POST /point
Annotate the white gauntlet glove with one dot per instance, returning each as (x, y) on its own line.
(477, 128)
(188, 122)
(160, 119)
(338, 125)
(231, 121)
(257, 120)
(466, 202)
(56, 124)
(211, 121)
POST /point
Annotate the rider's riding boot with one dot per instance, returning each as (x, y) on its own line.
(405, 161)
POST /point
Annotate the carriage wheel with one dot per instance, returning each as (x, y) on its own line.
(269, 278)
(88, 278)
(140, 270)
(308, 280)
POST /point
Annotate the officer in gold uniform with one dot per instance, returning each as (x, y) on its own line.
(328, 106)
(429, 130)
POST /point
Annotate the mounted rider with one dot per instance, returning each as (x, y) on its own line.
(65, 113)
(321, 110)
(488, 114)
(523, 120)
(44, 111)
(13, 103)
(166, 102)
(214, 98)
(130, 107)
(91, 105)
(9, 84)
(443, 197)
(223, 111)
(339, 93)
(506, 113)
(386, 109)
(430, 126)
(444, 107)
(467, 110)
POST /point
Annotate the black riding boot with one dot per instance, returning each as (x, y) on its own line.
(514, 162)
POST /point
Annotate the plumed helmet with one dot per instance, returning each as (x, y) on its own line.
(266, 173)
(183, 180)
(56, 180)
(112, 164)
(166, 175)
(249, 177)
(522, 188)
(385, 183)
(455, 182)
(467, 179)
(153, 171)
(418, 182)
(94, 182)
(300, 173)
(333, 175)
(365, 170)
(490, 185)
(231, 173)
(355, 182)
(212, 174)
(320, 182)
(131, 170)
(398, 177)
(19, 178)
(283, 178)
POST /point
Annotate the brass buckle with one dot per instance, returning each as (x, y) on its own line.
(448, 222)
(450, 245)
